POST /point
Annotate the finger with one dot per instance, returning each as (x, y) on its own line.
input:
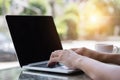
(54, 58)
(52, 62)
(74, 49)
(78, 51)
(54, 54)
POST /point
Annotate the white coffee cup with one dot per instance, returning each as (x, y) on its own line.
(109, 48)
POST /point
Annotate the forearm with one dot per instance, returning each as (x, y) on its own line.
(103, 57)
(98, 70)
(111, 58)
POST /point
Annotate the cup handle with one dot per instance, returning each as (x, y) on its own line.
(116, 49)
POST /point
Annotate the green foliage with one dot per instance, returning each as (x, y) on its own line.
(72, 9)
(36, 7)
(67, 24)
(60, 2)
(72, 18)
(39, 6)
(5, 6)
(0, 7)
(61, 27)
(0, 10)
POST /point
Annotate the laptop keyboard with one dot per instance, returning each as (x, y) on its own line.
(45, 65)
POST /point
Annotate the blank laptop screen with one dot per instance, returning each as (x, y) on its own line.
(34, 37)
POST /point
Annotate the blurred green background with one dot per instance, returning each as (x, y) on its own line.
(74, 19)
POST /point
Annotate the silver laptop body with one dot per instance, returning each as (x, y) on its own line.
(34, 38)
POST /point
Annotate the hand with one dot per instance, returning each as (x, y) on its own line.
(80, 51)
(87, 52)
(66, 57)
(100, 56)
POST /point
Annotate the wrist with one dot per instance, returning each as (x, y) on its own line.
(77, 62)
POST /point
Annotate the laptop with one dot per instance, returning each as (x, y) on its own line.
(34, 38)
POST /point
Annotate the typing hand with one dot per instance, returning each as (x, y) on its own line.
(66, 57)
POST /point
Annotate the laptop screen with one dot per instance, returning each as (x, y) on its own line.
(34, 37)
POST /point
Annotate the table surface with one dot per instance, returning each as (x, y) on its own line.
(18, 74)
